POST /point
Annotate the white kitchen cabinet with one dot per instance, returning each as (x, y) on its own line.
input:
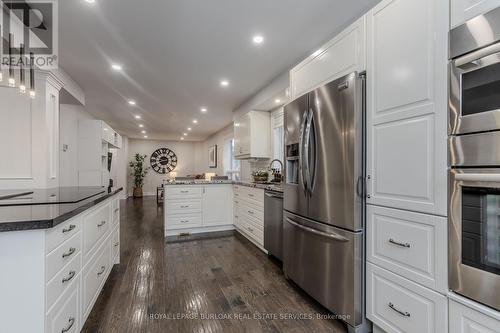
(95, 138)
(249, 213)
(342, 55)
(216, 200)
(398, 305)
(465, 319)
(196, 208)
(252, 135)
(464, 10)
(409, 244)
(407, 105)
(55, 288)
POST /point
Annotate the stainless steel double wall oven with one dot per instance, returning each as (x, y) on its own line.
(474, 156)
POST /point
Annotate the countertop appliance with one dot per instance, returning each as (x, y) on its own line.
(323, 238)
(474, 155)
(273, 223)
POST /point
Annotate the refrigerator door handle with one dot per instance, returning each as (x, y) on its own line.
(330, 235)
(313, 159)
(301, 151)
(307, 150)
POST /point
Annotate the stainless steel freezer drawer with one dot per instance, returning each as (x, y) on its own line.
(326, 262)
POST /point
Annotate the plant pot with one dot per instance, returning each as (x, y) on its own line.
(259, 179)
(137, 192)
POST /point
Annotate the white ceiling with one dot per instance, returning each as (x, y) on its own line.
(175, 52)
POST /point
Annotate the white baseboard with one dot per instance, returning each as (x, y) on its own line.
(199, 230)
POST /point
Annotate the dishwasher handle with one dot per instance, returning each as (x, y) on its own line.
(330, 235)
(271, 195)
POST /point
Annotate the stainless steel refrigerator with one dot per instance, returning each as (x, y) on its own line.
(323, 240)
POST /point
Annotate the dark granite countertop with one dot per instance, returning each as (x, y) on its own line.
(46, 208)
(276, 187)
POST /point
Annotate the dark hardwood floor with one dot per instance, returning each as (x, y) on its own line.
(214, 284)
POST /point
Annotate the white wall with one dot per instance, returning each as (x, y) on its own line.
(69, 116)
(186, 160)
(202, 151)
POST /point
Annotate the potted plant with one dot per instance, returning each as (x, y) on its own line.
(139, 172)
(260, 176)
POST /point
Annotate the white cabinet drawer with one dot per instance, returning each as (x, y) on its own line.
(58, 258)
(183, 207)
(183, 192)
(466, 320)
(184, 221)
(57, 235)
(115, 208)
(253, 195)
(95, 225)
(248, 210)
(93, 276)
(62, 280)
(65, 315)
(115, 244)
(410, 244)
(396, 304)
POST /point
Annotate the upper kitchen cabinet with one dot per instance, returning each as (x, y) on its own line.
(252, 135)
(463, 10)
(342, 55)
(407, 47)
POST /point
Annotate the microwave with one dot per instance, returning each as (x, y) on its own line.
(474, 86)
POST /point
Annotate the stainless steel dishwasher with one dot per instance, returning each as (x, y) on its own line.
(273, 223)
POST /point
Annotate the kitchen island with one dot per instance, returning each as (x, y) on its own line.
(57, 248)
(193, 207)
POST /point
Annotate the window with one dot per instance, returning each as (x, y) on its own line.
(231, 166)
(278, 135)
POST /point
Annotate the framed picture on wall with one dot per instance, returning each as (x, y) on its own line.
(212, 156)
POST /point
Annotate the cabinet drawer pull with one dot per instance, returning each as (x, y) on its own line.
(69, 253)
(117, 243)
(101, 224)
(236, 202)
(184, 206)
(103, 268)
(71, 227)
(236, 216)
(403, 313)
(71, 322)
(236, 195)
(250, 212)
(251, 195)
(406, 245)
(251, 229)
(69, 277)
(184, 191)
(185, 221)
(116, 210)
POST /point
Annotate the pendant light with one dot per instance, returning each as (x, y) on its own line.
(12, 79)
(22, 83)
(32, 75)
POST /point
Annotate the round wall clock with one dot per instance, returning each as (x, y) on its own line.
(163, 160)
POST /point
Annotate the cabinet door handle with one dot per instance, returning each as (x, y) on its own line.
(250, 229)
(101, 224)
(69, 253)
(116, 210)
(71, 227)
(103, 268)
(117, 243)
(406, 245)
(71, 322)
(69, 277)
(250, 212)
(403, 313)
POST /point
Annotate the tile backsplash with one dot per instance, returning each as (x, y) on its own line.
(249, 166)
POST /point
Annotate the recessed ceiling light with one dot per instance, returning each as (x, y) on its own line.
(132, 102)
(195, 121)
(117, 67)
(204, 110)
(137, 116)
(141, 125)
(277, 101)
(90, 1)
(185, 134)
(182, 138)
(145, 136)
(189, 128)
(258, 39)
(143, 132)
(224, 83)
